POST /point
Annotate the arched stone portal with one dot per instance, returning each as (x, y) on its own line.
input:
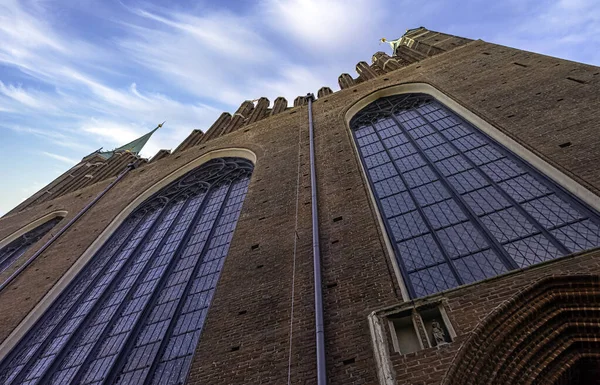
(547, 334)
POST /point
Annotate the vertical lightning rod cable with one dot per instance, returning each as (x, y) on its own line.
(289, 379)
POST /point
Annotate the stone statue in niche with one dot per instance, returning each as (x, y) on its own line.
(439, 335)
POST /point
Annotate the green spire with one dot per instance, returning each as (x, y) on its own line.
(134, 146)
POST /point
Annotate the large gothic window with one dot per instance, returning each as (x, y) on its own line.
(135, 313)
(18, 247)
(457, 206)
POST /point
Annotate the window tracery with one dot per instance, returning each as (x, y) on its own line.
(135, 313)
(11, 252)
(457, 206)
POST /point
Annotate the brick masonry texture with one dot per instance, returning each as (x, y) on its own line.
(532, 98)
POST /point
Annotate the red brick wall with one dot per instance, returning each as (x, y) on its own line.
(534, 102)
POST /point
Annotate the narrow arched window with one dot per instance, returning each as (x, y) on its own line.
(18, 247)
(457, 206)
(134, 314)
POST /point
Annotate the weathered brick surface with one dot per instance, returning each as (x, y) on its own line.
(470, 307)
(246, 336)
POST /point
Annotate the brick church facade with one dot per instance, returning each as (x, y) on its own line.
(457, 190)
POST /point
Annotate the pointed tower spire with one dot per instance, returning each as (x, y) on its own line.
(134, 146)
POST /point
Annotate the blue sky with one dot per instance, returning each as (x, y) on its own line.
(79, 75)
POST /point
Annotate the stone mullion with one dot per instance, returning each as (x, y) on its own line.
(78, 332)
(506, 196)
(92, 354)
(166, 337)
(46, 341)
(419, 209)
(121, 359)
(492, 241)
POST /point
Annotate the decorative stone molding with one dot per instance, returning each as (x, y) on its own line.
(535, 337)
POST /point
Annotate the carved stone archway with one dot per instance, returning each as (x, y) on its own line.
(546, 334)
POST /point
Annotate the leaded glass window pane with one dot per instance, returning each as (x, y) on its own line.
(11, 252)
(458, 206)
(135, 313)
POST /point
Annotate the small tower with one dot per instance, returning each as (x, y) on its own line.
(134, 147)
(93, 168)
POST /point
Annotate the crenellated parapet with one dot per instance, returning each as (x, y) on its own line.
(415, 45)
(260, 111)
(240, 117)
(217, 128)
(384, 63)
(365, 71)
(279, 105)
(428, 43)
(193, 139)
(324, 91)
(249, 112)
(408, 55)
(162, 154)
(300, 101)
(345, 81)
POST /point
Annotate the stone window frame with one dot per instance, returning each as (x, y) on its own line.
(384, 339)
(415, 311)
(528, 156)
(32, 226)
(160, 268)
(38, 311)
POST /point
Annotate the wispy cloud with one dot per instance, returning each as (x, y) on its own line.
(61, 158)
(27, 99)
(563, 28)
(330, 26)
(100, 73)
(36, 48)
(205, 56)
(52, 137)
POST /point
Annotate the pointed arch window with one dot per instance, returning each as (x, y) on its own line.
(11, 252)
(457, 206)
(134, 314)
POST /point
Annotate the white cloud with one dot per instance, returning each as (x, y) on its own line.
(53, 137)
(204, 55)
(325, 25)
(565, 28)
(25, 31)
(27, 98)
(297, 81)
(89, 110)
(182, 67)
(61, 158)
(150, 63)
(111, 132)
(213, 32)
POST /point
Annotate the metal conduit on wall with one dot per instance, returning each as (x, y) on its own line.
(319, 328)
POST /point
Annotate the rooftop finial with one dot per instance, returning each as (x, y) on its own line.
(393, 43)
